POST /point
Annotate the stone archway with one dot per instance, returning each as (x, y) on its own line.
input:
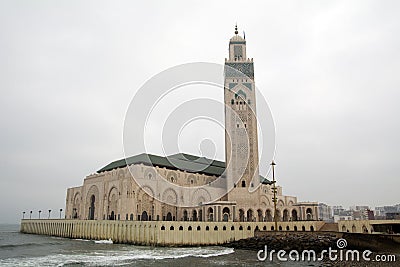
(169, 216)
(194, 215)
(294, 215)
(268, 215)
(309, 214)
(92, 207)
(144, 216)
(210, 214)
(250, 215)
(185, 215)
(92, 199)
(285, 215)
(76, 206)
(225, 214)
(112, 203)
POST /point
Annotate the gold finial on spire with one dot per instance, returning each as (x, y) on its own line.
(236, 29)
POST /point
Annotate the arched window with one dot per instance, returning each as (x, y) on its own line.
(243, 183)
(240, 228)
(287, 228)
(207, 228)
(198, 228)
(171, 228)
(190, 228)
(224, 228)
(181, 228)
(232, 228)
(309, 214)
(185, 215)
(248, 228)
(216, 228)
(162, 228)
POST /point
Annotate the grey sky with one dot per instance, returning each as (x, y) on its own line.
(329, 70)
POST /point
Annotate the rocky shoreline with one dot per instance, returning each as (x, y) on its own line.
(287, 241)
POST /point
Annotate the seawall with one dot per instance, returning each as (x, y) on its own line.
(157, 233)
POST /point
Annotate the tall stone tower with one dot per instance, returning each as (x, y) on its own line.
(241, 142)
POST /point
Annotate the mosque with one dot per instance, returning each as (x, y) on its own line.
(148, 187)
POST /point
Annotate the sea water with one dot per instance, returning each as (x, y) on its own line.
(17, 249)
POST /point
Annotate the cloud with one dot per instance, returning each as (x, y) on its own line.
(329, 71)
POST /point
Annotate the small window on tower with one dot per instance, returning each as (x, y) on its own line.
(232, 102)
(238, 51)
(243, 183)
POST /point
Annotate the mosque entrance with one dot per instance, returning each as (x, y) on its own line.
(91, 208)
(144, 216)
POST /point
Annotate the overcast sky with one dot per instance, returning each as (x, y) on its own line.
(329, 70)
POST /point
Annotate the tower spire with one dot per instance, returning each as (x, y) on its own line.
(236, 29)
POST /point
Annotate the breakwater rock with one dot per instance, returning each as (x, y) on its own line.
(287, 241)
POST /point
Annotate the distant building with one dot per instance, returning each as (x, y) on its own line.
(370, 214)
(337, 218)
(380, 212)
(393, 216)
(325, 212)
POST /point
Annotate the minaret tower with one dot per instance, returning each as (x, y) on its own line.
(241, 144)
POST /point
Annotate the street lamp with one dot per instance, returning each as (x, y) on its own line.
(23, 215)
(30, 215)
(49, 213)
(60, 213)
(39, 213)
(274, 199)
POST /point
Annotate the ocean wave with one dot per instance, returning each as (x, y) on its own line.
(123, 256)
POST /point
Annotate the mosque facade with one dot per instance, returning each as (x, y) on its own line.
(131, 188)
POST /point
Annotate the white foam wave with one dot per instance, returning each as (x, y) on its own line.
(109, 241)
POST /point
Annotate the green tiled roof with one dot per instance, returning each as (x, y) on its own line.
(180, 161)
(186, 162)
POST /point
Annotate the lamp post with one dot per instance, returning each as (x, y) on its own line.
(23, 215)
(30, 215)
(60, 213)
(49, 213)
(274, 199)
(39, 213)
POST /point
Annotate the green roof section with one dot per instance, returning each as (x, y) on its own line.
(180, 161)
